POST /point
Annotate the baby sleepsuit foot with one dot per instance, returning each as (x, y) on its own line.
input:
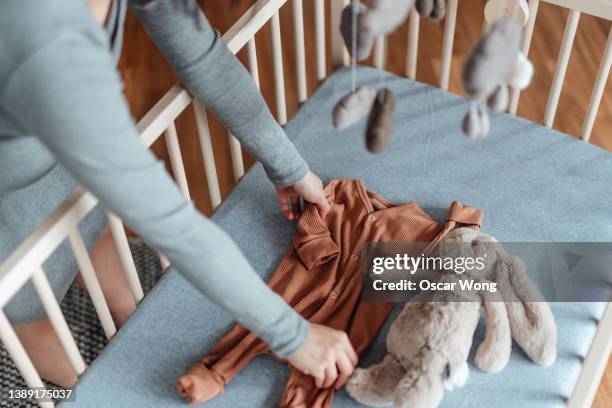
(375, 385)
(199, 385)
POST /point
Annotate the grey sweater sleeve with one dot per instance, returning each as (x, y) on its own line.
(217, 79)
(64, 88)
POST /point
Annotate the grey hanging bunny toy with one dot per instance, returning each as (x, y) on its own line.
(494, 65)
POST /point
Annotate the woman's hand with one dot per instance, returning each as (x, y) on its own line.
(310, 188)
(327, 355)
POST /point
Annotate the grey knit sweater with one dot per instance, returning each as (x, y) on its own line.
(61, 101)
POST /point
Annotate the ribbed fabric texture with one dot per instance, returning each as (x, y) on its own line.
(321, 278)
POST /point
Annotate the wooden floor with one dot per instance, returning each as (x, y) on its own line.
(147, 77)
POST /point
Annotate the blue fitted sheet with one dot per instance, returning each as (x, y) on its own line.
(534, 184)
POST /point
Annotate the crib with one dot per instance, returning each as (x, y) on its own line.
(27, 260)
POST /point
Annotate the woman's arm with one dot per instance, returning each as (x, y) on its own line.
(217, 79)
(61, 86)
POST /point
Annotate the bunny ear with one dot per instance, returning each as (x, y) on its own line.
(531, 320)
(494, 351)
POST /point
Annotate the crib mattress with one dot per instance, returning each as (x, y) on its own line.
(534, 184)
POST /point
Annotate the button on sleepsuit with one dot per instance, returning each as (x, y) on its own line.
(321, 278)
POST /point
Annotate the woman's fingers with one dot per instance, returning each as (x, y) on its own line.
(295, 206)
(325, 354)
(319, 377)
(346, 360)
(289, 202)
(309, 188)
(331, 374)
(344, 344)
(284, 205)
(324, 206)
(345, 370)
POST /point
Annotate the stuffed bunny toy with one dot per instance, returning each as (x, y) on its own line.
(429, 342)
(531, 320)
(494, 65)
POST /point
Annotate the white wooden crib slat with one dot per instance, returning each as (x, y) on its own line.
(176, 159)
(163, 261)
(159, 117)
(236, 154)
(91, 282)
(561, 68)
(597, 8)
(252, 55)
(54, 313)
(207, 154)
(20, 357)
(320, 39)
(526, 44)
(594, 364)
(447, 43)
(413, 44)
(125, 255)
(300, 52)
(339, 53)
(279, 76)
(250, 22)
(598, 89)
(379, 51)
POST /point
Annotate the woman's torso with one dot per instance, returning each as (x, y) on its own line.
(23, 158)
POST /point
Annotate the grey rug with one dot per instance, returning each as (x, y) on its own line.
(84, 324)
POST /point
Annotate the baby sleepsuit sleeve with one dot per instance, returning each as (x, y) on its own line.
(320, 277)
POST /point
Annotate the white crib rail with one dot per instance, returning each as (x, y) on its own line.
(26, 261)
(594, 364)
(447, 43)
(45, 293)
(300, 51)
(20, 358)
(598, 8)
(526, 44)
(380, 51)
(339, 53)
(598, 89)
(125, 256)
(413, 44)
(176, 159)
(320, 39)
(561, 68)
(279, 75)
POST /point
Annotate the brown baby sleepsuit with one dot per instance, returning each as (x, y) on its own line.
(320, 277)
